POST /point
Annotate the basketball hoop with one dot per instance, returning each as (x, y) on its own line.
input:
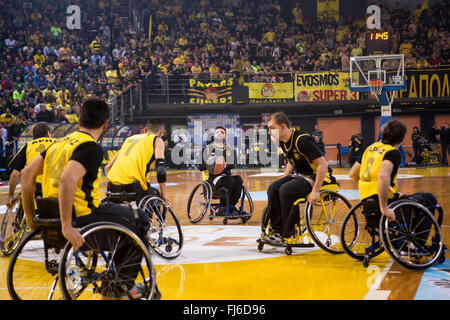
(376, 86)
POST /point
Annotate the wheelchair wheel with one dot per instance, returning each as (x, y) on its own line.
(33, 269)
(414, 239)
(112, 261)
(246, 205)
(165, 234)
(358, 239)
(265, 224)
(324, 220)
(13, 228)
(199, 202)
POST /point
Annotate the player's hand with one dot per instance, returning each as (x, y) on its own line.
(166, 199)
(313, 196)
(9, 201)
(388, 212)
(73, 235)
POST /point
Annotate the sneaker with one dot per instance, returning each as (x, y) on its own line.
(275, 238)
(137, 291)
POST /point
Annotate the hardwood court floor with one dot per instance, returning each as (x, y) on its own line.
(222, 261)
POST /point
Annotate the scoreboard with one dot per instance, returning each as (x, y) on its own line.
(378, 42)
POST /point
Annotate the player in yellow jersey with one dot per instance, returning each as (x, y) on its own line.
(129, 170)
(42, 139)
(376, 174)
(70, 170)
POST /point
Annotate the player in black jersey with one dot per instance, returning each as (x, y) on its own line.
(307, 161)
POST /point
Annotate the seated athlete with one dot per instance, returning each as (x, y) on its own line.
(304, 157)
(376, 173)
(233, 183)
(128, 170)
(42, 139)
(71, 173)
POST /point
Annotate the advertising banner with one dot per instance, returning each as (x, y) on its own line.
(270, 88)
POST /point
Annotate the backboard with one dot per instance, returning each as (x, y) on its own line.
(387, 68)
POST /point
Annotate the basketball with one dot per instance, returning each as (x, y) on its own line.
(216, 165)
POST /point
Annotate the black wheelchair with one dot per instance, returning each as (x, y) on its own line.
(99, 269)
(166, 234)
(414, 239)
(201, 202)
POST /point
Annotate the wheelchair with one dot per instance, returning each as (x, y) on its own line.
(13, 227)
(94, 271)
(165, 235)
(414, 239)
(201, 202)
(319, 224)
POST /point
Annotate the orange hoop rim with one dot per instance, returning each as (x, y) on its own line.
(376, 83)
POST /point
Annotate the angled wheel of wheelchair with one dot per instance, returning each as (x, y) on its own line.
(33, 269)
(112, 261)
(165, 234)
(414, 239)
(245, 205)
(199, 202)
(13, 227)
(324, 220)
(359, 239)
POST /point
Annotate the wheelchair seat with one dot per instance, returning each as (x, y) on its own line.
(216, 193)
(48, 220)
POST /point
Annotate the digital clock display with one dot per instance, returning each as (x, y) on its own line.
(378, 42)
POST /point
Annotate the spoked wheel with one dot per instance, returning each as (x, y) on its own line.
(199, 202)
(358, 239)
(113, 263)
(33, 269)
(414, 239)
(13, 228)
(324, 220)
(165, 234)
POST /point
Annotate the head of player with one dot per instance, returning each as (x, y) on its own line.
(280, 127)
(41, 130)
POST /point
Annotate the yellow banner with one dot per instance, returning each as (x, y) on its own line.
(328, 9)
(323, 86)
(259, 92)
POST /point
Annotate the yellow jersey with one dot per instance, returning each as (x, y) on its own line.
(83, 148)
(370, 166)
(28, 152)
(136, 157)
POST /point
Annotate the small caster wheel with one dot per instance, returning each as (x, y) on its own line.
(288, 251)
(441, 258)
(260, 246)
(169, 248)
(244, 220)
(211, 217)
(225, 221)
(366, 261)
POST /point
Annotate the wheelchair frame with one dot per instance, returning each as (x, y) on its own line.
(307, 228)
(213, 208)
(380, 237)
(56, 251)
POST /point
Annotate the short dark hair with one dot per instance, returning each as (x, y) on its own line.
(280, 118)
(154, 125)
(93, 113)
(394, 132)
(220, 127)
(40, 130)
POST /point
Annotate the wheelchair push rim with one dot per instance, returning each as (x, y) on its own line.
(324, 220)
(165, 234)
(414, 239)
(198, 207)
(13, 228)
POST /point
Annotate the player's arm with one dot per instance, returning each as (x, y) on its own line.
(354, 172)
(289, 169)
(29, 175)
(383, 183)
(110, 164)
(70, 176)
(160, 166)
(322, 168)
(17, 164)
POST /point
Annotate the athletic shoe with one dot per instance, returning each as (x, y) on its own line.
(137, 291)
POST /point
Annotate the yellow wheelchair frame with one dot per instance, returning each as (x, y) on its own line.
(305, 232)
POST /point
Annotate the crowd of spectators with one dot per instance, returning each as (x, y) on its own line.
(46, 70)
